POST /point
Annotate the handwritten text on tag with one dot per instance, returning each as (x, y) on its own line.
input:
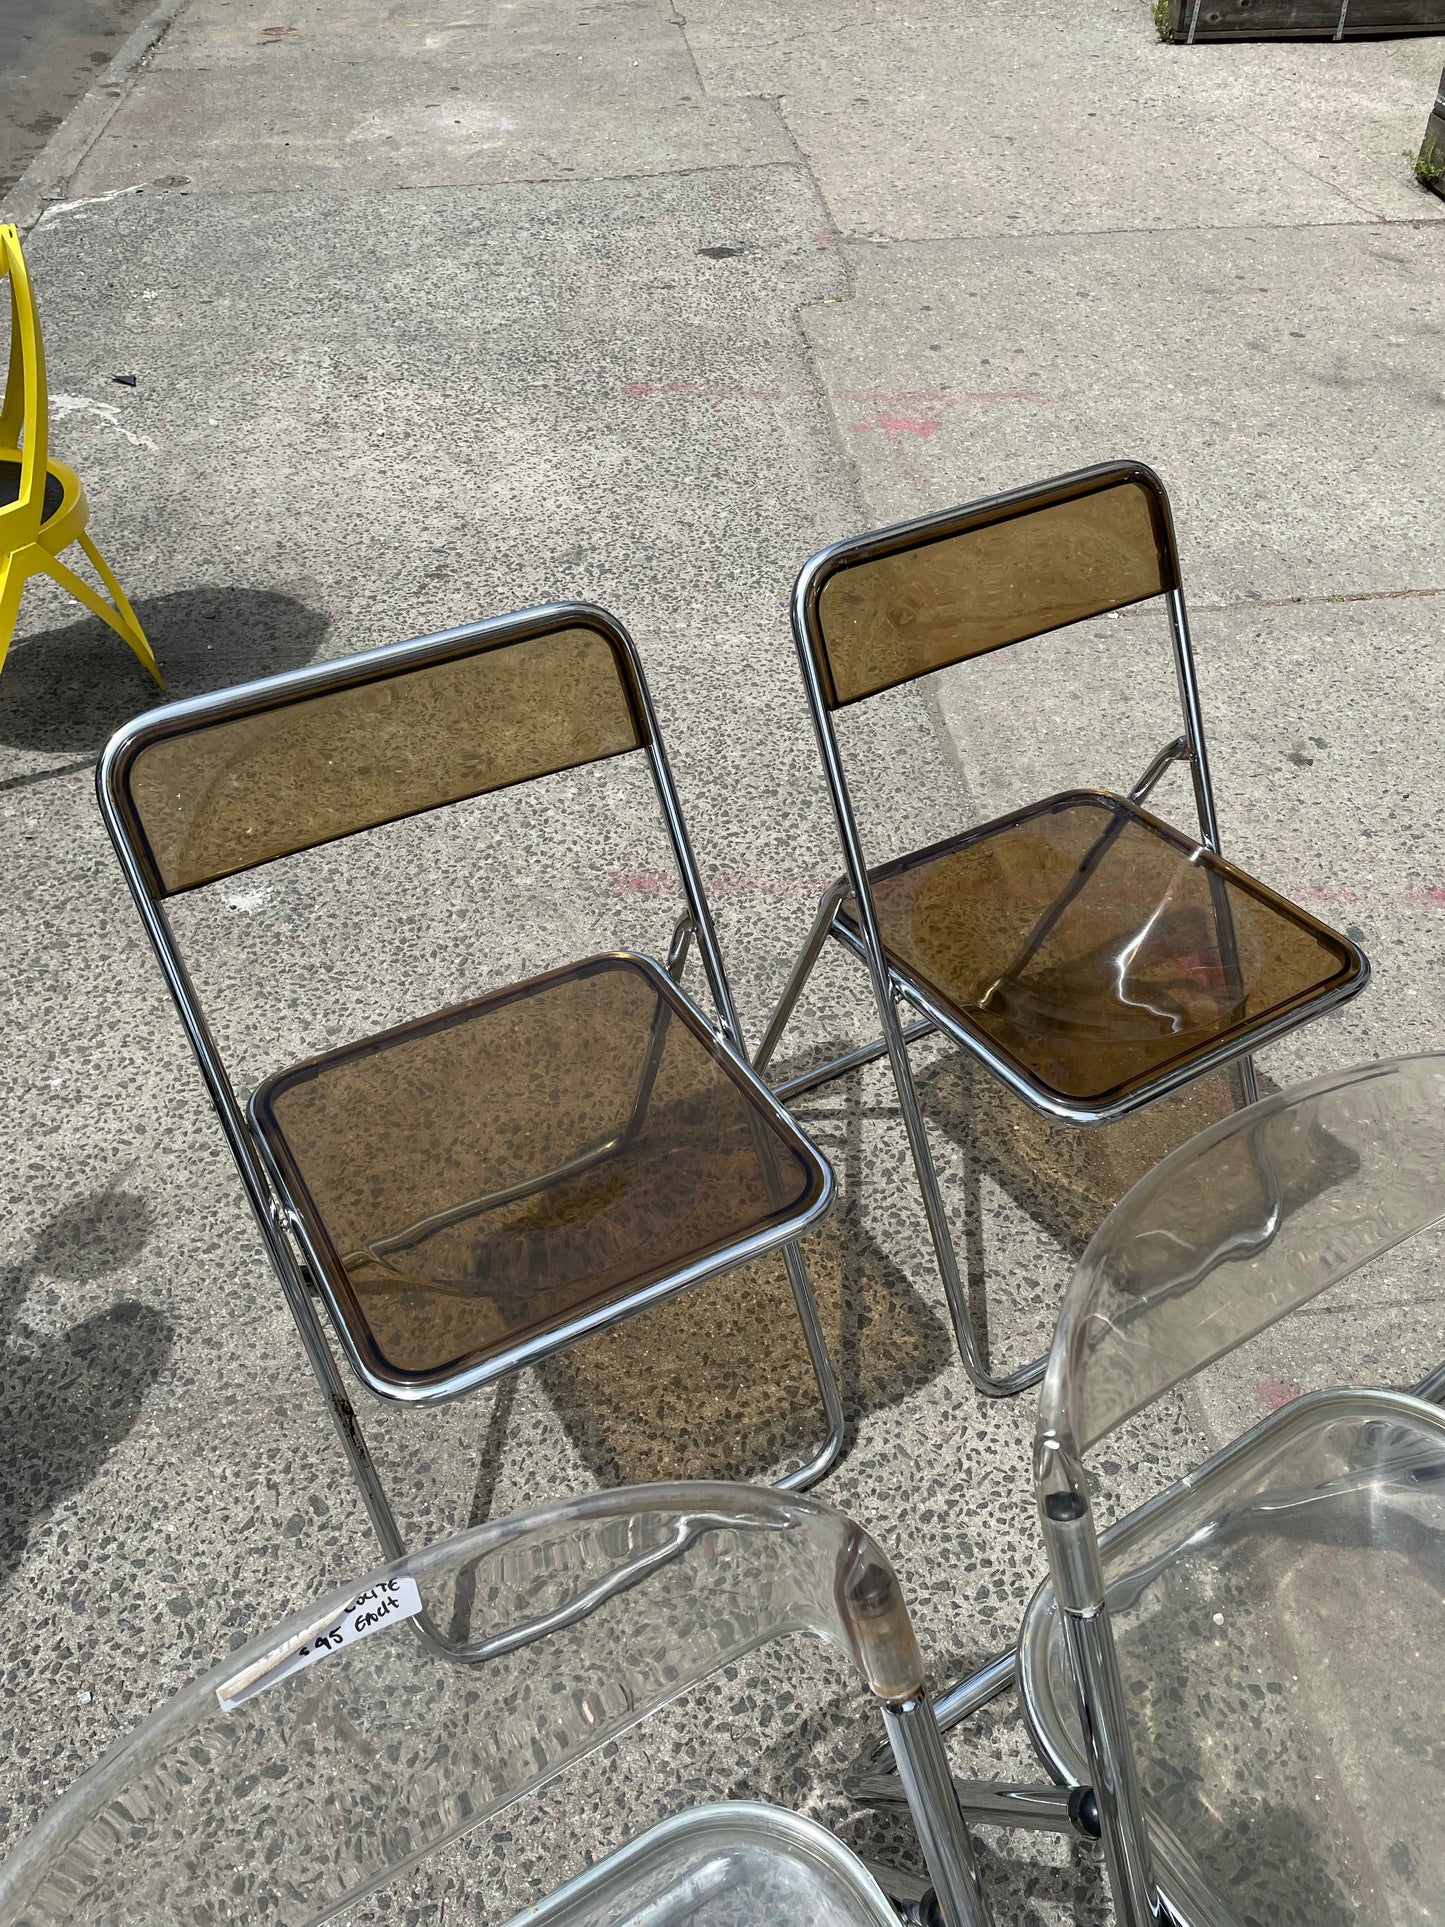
(384, 1604)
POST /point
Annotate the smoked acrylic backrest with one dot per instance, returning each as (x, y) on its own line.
(880, 610)
(214, 788)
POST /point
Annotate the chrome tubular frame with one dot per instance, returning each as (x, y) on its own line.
(1078, 1578)
(928, 1791)
(298, 1266)
(1033, 1808)
(1203, 783)
(885, 990)
(890, 986)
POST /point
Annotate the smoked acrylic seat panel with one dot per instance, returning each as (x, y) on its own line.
(1087, 941)
(478, 1176)
(1281, 1640)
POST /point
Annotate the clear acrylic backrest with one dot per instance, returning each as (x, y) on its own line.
(346, 1746)
(1239, 1226)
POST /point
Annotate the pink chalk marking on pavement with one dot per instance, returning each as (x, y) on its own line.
(727, 884)
(1272, 1393)
(892, 425)
(641, 883)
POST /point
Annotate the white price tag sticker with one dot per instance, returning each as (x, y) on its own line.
(381, 1605)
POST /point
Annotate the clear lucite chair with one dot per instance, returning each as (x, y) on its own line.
(335, 1755)
(1238, 1684)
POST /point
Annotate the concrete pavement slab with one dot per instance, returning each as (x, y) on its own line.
(1052, 120)
(379, 98)
(1287, 427)
(369, 404)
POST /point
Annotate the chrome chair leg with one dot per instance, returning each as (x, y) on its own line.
(823, 1461)
(1248, 1083)
(928, 1788)
(894, 1044)
(802, 970)
(993, 1385)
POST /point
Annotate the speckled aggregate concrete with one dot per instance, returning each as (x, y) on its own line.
(435, 314)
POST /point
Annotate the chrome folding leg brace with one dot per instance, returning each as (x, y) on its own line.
(807, 1305)
(894, 1044)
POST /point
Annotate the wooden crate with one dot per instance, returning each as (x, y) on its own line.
(1194, 20)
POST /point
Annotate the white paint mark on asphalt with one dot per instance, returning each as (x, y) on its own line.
(63, 405)
(248, 902)
(93, 200)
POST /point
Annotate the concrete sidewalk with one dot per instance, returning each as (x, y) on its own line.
(434, 314)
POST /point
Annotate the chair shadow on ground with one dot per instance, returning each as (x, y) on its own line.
(717, 1383)
(1063, 1178)
(64, 691)
(69, 1397)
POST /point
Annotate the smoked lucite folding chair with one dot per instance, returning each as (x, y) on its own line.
(1091, 956)
(339, 1753)
(477, 1189)
(1240, 1682)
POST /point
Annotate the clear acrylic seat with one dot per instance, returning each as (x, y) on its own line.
(310, 1769)
(718, 1866)
(1281, 1636)
(1245, 1670)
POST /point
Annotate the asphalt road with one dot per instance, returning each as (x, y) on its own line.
(50, 51)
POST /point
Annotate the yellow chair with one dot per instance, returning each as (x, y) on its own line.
(42, 504)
